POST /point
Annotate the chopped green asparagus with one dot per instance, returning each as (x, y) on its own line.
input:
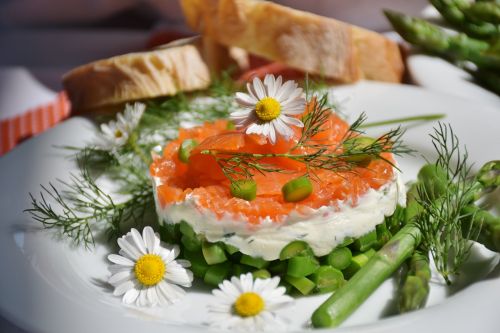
(413, 294)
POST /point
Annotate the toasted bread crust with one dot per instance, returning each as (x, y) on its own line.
(137, 76)
(301, 40)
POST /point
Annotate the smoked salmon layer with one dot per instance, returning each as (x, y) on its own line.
(201, 176)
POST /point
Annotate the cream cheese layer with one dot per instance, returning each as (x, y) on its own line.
(323, 228)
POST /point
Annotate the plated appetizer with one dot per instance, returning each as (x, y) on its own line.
(266, 192)
(293, 180)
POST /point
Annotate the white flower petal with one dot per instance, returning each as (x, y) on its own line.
(179, 275)
(123, 288)
(128, 249)
(130, 296)
(259, 89)
(170, 291)
(285, 90)
(152, 296)
(225, 298)
(115, 268)
(246, 282)
(254, 129)
(120, 260)
(245, 100)
(272, 134)
(120, 277)
(150, 239)
(240, 113)
(137, 238)
(294, 95)
(269, 82)
(292, 121)
(184, 263)
(282, 128)
(229, 288)
(142, 300)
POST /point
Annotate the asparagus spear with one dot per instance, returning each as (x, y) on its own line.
(435, 40)
(454, 12)
(484, 11)
(402, 245)
(415, 289)
(490, 226)
(350, 296)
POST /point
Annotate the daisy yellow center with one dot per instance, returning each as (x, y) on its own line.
(268, 109)
(149, 269)
(118, 134)
(249, 304)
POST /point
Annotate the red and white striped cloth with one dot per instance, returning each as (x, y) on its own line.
(32, 122)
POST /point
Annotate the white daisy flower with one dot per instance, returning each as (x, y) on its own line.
(116, 133)
(269, 107)
(247, 305)
(112, 136)
(145, 272)
(131, 116)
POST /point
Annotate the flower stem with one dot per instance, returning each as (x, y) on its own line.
(139, 152)
(429, 117)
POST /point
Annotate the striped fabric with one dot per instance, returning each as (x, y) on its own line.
(32, 122)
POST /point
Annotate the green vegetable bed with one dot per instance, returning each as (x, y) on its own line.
(300, 270)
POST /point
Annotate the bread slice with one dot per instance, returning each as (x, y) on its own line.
(184, 65)
(301, 40)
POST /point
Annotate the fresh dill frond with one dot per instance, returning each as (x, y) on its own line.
(338, 158)
(441, 221)
(314, 120)
(81, 208)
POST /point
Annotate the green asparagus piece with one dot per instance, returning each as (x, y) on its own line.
(384, 263)
(261, 274)
(303, 284)
(358, 261)
(254, 262)
(296, 248)
(231, 249)
(213, 253)
(489, 175)
(239, 269)
(489, 235)
(198, 264)
(278, 267)
(415, 289)
(484, 11)
(396, 220)
(383, 235)
(327, 279)
(339, 258)
(435, 40)
(302, 266)
(455, 12)
(365, 242)
(217, 273)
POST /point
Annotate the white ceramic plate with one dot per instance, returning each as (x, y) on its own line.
(50, 286)
(439, 75)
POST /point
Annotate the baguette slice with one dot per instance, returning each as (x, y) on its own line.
(180, 66)
(301, 40)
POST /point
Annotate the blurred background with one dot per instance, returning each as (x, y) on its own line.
(49, 37)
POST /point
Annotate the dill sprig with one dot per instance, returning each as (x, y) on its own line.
(336, 158)
(314, 120)
(81, 208)
(441, 221)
